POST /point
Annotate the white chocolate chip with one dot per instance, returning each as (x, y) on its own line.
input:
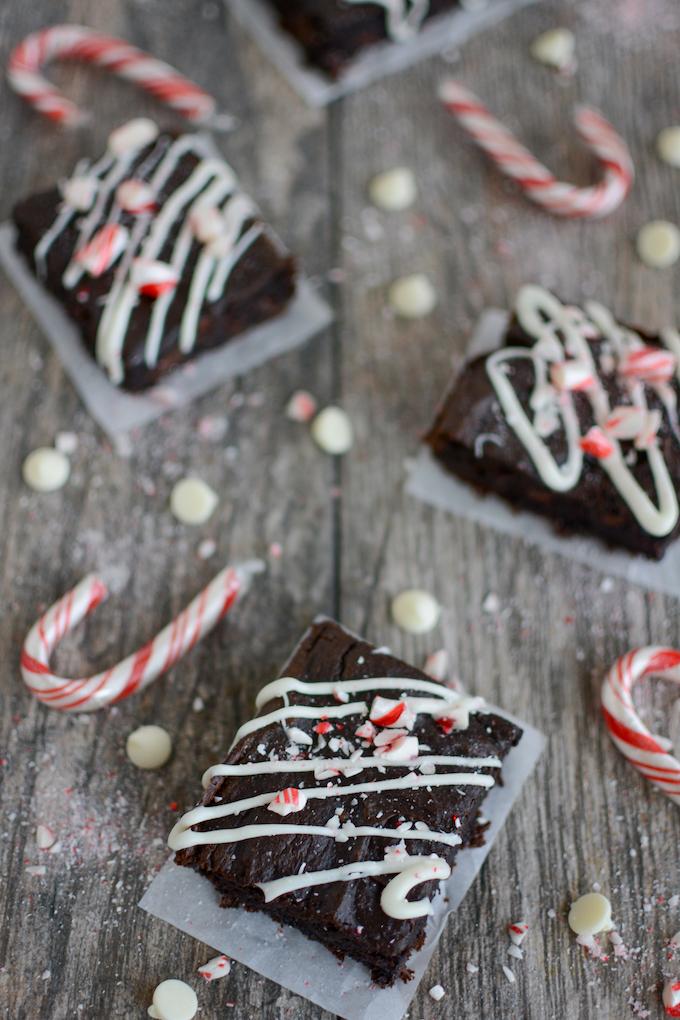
(590, 914)
(436, 993)
(555, 48)
(44, 837)
(412, 297)
(394, 190)
(149, 747)
(173, 1000)
(132, 136)
(46, 470)
(668, 145)
(658, 244)
(192, 501)
(332, 431)
(415, 611)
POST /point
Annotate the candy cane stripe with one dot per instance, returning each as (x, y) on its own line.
(76, 42)
(625, 727)
(139, 669)
(537, 182)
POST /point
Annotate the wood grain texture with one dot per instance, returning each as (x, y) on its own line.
(73, 943)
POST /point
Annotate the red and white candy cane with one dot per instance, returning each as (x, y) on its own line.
(138, 670)
(647, 753)
(76, 42)
(537, 182)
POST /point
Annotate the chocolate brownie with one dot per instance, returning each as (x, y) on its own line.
(332, 32)
(155, 253)
(574, 417)
(345, 800)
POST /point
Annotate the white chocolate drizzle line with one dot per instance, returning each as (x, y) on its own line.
(561, 332)
(262, 768)
(182, 835)
(403, 17)
(212, 181)
(410, 872)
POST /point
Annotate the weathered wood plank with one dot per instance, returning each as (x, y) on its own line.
(542, 656)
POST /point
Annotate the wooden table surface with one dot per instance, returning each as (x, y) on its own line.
(73, 944)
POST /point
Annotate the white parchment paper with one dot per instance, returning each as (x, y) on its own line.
(189, 902)
(119, 412)
(446, 31)
(429, 481)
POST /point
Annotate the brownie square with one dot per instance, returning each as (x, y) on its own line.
(332, 32)
(574, 418)
(155, 253)
(317, 755)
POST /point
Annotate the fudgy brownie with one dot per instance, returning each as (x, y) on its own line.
(344, 801)
(574, 417)
(332, 32)
(155, 252)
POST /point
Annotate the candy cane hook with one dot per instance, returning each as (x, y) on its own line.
(138, 670)
(537, 182)
(647, 753)
(77, 42)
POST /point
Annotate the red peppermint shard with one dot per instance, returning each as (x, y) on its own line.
(625, 422)
(103, 250)
(153, 278)
(596, 443)
(288, 800)
(649, 364)
(385, 712)
(322, 727)
(572, 375)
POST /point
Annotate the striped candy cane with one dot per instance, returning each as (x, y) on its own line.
(138, 670)
(76, 42)
(647, 753)
(537, 182)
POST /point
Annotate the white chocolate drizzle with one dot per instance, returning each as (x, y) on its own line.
(418, 771)
(211, 183)
(561, 333)
(403, 18)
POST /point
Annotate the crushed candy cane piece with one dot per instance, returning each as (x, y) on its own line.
(79, 192)
(38, 870)
(572, 375)
(437, 993)
(301, 407)
(517, 931)
(509, 975)
(287, 801)
(44, 837)
(323, 727)
(216, 968)
(625, 422)
(387, 712)
(596, 443)
(515, 952)
(299, 736)
(153, 278)
(341, 696)
(437, 664)
(675, 939)
(648, 434)
(472, 968)
(104, 249)
(366, 731)
(649, 364)
(135, 196)
(400, 747)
